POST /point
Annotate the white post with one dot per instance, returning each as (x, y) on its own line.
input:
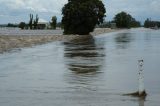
(141, 89)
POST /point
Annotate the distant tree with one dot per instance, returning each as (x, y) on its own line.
(59, 24)
(35, 23)
(53, 22)
(22, 25)
(124, 20)
(31, 21)
(81, 16)
(12, 25)
(158, 24)
(104, 25)
(149, 23)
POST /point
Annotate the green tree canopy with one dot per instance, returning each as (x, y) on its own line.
(124, 20)
(53, 22)
(81, 16)
(35, 22)
(31, 21)
(22, 25)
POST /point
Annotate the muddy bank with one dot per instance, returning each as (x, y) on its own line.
(98, 31)
(8, 42)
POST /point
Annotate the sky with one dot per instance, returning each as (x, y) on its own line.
(15, 11)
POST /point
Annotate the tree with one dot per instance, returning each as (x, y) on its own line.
(31, 21)
(151, 24)
(147, 23)
(35, 22)
(53, 22)
(12, 25)
(81, 16)
(59, 24)
(135, 23)
(124, 20)
(22, 25)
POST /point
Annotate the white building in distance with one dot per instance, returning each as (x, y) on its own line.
(43, 24)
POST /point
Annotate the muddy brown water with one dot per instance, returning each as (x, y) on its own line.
(94, 73)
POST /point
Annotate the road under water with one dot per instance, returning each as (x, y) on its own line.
(94, 73)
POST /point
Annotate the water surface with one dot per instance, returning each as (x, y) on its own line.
(94, 73)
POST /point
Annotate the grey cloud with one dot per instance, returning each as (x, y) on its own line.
(140, 9)
(20, 9)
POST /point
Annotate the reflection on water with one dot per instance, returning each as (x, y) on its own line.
(84, 61)
(84, 57)
(123, 40)
(141, 101)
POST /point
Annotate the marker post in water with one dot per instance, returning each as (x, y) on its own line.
(141, 89)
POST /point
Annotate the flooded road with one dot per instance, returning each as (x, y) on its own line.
(94, 73)
(19, 32)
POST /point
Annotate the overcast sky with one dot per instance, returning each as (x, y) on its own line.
(15, 11)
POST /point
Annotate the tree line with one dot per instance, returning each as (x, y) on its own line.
(82, 16)
(33, 23)
(151, 24)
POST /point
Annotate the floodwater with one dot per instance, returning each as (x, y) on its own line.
(18, 31)
(94, 73)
